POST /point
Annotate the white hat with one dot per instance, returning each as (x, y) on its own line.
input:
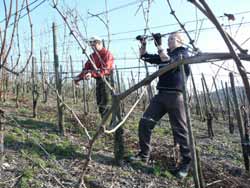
(95, 38)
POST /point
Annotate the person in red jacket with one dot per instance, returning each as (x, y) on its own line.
(104, 61)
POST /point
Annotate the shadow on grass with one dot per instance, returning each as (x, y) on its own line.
(126, 163)
(34, 124)
(60, 150)
(68, 151)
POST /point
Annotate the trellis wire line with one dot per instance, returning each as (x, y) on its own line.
(142, 29)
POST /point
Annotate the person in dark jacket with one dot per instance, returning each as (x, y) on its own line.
(168, 100)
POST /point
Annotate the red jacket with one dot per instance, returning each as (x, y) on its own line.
(103, 60)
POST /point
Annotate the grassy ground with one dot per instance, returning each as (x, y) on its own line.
(36, 155)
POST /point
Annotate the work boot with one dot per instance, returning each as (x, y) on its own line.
(183, 170)
(139, 157)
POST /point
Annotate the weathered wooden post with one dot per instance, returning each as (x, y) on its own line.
(123, 86)
(219, 100)
(201, 176)
(1, 86)
(4, 85)
(17, 93)
(43, 77)
(240, 123)
(225, 96)
(230, 102)
(119, 87)
(84, 94)
(205, 97)
(149, 88)
(245, 113)
(208, 112)
(118, 137)
(197, 179)
(132, 78)
(244, 97)
(72, 82)
(209, 97)
(58, 82)
(210, 125)
(198, 104)
(1, 135)
(35, 93)
(230, 117)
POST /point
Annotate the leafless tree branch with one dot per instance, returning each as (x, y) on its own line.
(81, 46)
(191, 41)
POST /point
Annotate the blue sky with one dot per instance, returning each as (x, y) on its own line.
(125, 23)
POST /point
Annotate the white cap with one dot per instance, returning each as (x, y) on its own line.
(95, 38)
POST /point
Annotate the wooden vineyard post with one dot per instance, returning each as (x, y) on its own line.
(205, 97)
(58, 82)
(149, 88)
(209, 97)
(44, 74)
(219, 100)
(230, 117)
(198, 104)
(84, 95)
(240, 123)
(225, 97)
(73, 85)
(196, 177)
(35, 93)
(17, 87)
(1, 135)
(118, 137)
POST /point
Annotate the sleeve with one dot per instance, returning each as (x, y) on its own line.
(107, 65)
(187, 68)
(152, 58)
(163, 54)
(184, 54)
(87, 68)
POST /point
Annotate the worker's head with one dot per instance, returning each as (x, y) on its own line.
(175, 40)
(96, 43)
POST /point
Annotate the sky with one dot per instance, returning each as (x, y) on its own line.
(125, 22)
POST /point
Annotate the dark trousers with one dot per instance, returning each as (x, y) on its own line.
(162, 103)
(103, 96)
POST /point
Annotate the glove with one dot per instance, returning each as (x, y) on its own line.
(142, 49)
(76, 80)
(157, 39)
(142, 39)
(139, 37)
(87, 76)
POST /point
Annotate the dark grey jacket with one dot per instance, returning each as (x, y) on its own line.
(173, 79)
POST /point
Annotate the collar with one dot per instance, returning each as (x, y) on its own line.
(176, 49)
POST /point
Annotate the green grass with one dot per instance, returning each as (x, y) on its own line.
(23, 110)
(61, 147)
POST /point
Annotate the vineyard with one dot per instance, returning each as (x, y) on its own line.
(52, 133)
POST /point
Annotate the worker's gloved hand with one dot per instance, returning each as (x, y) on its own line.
(142, 39)
(76, 80)
(157, 39)
(142, 49)
(87, 76)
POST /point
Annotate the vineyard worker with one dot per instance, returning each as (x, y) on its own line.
(104, 61)
(168, 100)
